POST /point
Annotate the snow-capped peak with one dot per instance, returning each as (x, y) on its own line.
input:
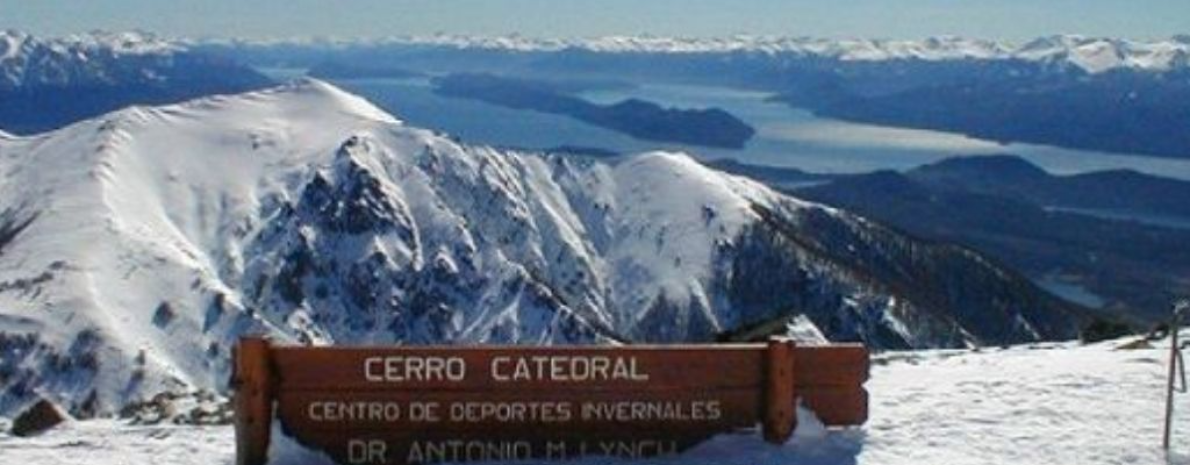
(83, 59)
(320, 96)
(1093, 55)
(125, 42)
(134, 205)
(11, 43)
(162, 233)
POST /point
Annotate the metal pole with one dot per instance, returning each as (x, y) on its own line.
(1175, 324)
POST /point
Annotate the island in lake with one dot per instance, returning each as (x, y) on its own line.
(341, 70)
(711, 127)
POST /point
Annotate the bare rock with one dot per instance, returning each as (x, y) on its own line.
(38, 418)
(1136, 344)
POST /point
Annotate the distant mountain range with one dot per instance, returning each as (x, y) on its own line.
(1115, 234)
(1082, 92)
(1088, 93)
(1090, 54)
(137, 246)
(1009, 176)
(49, 83)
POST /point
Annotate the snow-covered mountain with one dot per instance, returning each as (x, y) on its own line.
(46, 83)
(136, 247)
(1089, 54)
(96, 59)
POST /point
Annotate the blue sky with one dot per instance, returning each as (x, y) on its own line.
(1000, 19)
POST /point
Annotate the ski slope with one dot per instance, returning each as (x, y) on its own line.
(1037, 404)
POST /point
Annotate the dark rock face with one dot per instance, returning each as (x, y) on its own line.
(859, 281)
(38, 418)
(164, 315)
(349, 255)
(356, 204)
(12, 223)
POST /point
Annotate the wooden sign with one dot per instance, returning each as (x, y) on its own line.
(411, 405)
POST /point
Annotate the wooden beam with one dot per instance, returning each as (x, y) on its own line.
(253, 384)
(780, 415)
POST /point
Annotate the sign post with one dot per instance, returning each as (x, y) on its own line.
(780, 415)
(1181, 311)
(253, 384)
(411, 405)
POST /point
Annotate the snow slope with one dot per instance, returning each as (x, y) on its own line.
(1041, 404)
(137, 247)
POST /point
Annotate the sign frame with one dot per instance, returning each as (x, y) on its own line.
(829, 378)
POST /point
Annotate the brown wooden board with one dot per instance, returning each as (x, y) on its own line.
(380, 448)
(397, 405)
(837, 406)
(574, 410)
(738, 365)
(360, 369)
(831, 365)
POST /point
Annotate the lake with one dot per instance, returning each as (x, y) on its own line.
(785, 136)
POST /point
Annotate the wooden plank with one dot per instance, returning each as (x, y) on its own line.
(780, 407)
(253, 383)
(314, 412)
(833, 365)
(381, 448)
(492, 368)
(837, 406)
